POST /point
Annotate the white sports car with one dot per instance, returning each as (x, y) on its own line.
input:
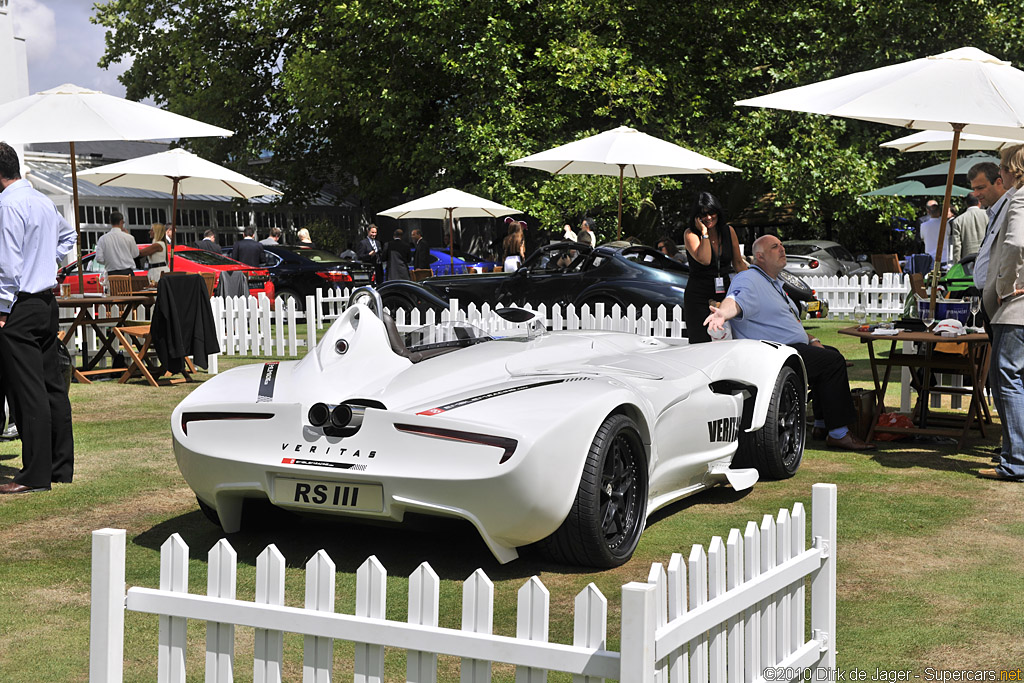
(567, 440)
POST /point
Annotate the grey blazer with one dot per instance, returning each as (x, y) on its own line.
(1006, 267)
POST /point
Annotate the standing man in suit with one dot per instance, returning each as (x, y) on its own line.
(421, 258)
(209, 242)
(399, 253)
(1004, 299)
(248, 250)
(273, 238)
(33, 238)
(368, 251)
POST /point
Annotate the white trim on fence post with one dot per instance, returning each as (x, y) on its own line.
(639, 623)
(590, 624)
(371, 597)
(173, 577)
(106, 624)
(311, 326)
(698, 562)
(220, 637)
(532, 624)
(268, 648)
(318, 652)
(679, 661)
(424, 606)
(823, 581)
(477, 617)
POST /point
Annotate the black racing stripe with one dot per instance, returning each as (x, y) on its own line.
(267, 382)
(494, 394)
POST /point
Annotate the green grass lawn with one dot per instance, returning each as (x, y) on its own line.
(927, 555)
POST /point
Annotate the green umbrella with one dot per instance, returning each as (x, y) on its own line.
(963, 164)
(915, 188)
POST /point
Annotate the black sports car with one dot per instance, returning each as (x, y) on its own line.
(297, 272)
(566, 273)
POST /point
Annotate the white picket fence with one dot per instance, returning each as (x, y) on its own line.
(247, 326)
(883, 297)
(726, 614)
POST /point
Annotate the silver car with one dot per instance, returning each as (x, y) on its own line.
(823, 257)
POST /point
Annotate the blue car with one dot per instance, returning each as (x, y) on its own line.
(441, 262)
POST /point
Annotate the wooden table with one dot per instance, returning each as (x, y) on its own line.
(103, 327)
(974, 365)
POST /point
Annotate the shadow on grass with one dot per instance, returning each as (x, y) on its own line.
(453, 548)
(935, 455)
(719, 495)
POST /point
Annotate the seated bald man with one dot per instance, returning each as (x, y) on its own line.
(760, 309)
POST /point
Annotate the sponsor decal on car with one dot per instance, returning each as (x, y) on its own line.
(324, 463)
(304, 448)
(725, 429)
(267, 381)
(495, 394)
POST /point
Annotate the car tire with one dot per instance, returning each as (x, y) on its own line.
(209, 512)
(287, 295)
(776, 449)
(608, 515)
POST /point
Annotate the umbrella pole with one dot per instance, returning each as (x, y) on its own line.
(618, 235)
(451, 240)
(174, 221)
(78, 226)
(957, 127)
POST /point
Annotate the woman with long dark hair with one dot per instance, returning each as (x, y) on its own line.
(714, 253)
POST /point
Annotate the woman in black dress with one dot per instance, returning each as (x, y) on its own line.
(714, 253)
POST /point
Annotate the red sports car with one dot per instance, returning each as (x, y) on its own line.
(186, 260)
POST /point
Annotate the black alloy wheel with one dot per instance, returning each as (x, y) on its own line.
(607, 517)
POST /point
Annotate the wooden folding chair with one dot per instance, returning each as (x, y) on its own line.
(211, 282)
(136, 341)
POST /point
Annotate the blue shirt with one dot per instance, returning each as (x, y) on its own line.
(766, 312)
(34, 237)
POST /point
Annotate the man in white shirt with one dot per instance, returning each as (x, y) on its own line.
(930, 231)
(586, 234)
(34, 237)
(117, 249)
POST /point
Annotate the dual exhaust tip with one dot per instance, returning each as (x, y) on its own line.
(338, 416)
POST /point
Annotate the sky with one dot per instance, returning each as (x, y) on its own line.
(62, 45)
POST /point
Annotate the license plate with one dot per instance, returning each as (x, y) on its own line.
(813, 305)
(329, 495)
(358, 277)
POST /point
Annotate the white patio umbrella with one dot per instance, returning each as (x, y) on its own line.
(988, 100)
(177, 172)
(449, 204)
(942, 141)
(71, 114)
(622, 152)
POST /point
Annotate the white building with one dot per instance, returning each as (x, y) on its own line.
(48, 168)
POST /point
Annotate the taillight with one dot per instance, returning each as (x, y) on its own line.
(507, 445)
(814, 263)
(335, 275)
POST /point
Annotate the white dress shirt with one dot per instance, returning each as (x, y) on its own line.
(117, 250)
(34, 237)
(985, 250)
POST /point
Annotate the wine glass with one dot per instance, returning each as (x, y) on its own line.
(928, 320)
(975, 307)
(860, 314)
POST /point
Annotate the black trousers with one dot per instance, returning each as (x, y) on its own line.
(827, 378)
(31, 372)
(121, 271)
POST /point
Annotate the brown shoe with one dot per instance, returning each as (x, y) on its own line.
(849, 443)
(12, 487)
(992, 473)
(819, 433)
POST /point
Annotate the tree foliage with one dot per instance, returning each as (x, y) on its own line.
(398, 98)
